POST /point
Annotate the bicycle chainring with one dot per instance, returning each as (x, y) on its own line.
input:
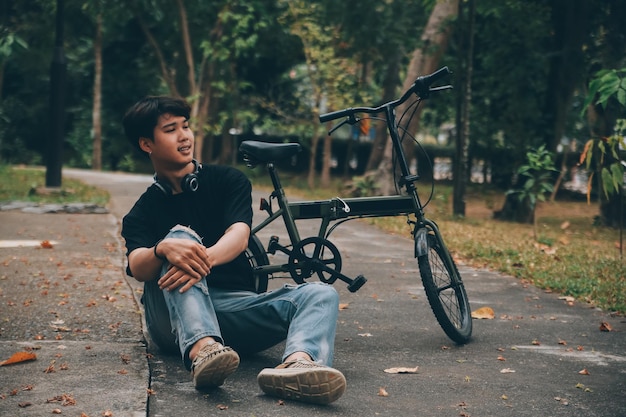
(314, 255)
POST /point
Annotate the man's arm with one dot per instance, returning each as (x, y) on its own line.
(189, 256)
(186, 271)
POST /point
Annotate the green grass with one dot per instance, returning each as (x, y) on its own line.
(571, 256)
(26, 184)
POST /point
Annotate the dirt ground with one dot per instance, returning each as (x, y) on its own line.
(483, 206)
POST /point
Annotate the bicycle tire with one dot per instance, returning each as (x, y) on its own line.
(445, 291)
(256, 255)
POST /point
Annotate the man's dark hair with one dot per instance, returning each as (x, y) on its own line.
(141, 119)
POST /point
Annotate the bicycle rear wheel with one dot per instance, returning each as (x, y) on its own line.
(255, 252)
(445, 291)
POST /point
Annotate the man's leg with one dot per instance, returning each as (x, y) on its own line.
(194, 324)
(304, 315)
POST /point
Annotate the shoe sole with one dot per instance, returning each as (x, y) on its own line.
(317, 386)
(214, 372)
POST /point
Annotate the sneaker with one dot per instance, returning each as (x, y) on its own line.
(213, 364)
(303, 380)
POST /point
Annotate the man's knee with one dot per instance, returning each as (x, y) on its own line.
(183, 232)
(322, 292)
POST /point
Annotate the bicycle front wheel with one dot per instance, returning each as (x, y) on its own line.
(445, 291)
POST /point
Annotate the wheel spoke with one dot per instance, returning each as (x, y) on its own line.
(445, 291)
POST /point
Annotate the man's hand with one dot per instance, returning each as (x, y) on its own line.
(175, 278)
(189, 263)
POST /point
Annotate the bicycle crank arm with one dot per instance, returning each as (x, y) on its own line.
(353, 284)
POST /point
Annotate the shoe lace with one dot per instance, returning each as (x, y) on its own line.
(301, 363)
(206, 351)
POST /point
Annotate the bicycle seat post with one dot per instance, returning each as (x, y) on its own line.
(283, 203)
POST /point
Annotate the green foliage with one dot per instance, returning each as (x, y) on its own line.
(363, 186)
(608, 86)
(605, 85)
(537, 174)
(510, 81)
(252, 48)
(9, 42)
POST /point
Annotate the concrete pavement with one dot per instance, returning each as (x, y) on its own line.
(72, 305)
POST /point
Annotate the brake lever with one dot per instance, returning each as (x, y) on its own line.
(441, 88)
(351, 120)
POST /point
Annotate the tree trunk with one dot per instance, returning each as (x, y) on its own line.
(424, 61)
(312, 157)
(390, 87)
(515, 210)
(570, 21)
(200, 122)
(184, 32)
(460, 173)
(165, 72)
(325, 178)
(96, 114)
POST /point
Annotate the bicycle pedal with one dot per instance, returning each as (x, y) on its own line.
(357, 283)
(273, 245)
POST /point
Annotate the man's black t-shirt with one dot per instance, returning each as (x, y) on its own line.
(223, 198)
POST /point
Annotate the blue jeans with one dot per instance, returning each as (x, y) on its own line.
(305, 315)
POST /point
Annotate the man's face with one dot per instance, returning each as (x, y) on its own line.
(173, 140)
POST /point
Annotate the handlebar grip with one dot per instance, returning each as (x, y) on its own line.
(335, 115)
(436, 76)
(423, 83)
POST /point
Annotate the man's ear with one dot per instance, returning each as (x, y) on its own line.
(146, 145)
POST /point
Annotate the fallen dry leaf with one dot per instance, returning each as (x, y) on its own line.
(64, 399)
(484, 313)
(382, 392)
(46, 244)
(343, 306)
(107, 413)
(583, 372)
(563, 401)
(605, 327)
(402, 370)
(222, 407)
(19, 357)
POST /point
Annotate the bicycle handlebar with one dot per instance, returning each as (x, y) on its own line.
(421, 87)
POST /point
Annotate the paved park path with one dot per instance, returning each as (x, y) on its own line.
(72, 304)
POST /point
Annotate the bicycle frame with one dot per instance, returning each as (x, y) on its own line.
(317, 255)
(340, 209)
